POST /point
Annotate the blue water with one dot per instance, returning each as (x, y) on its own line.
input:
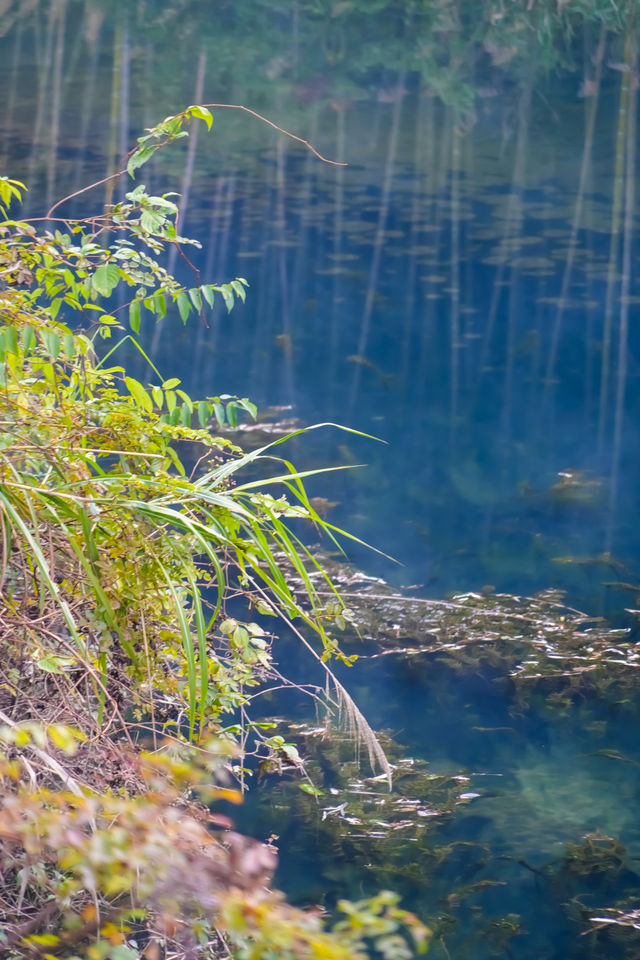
(449, 291)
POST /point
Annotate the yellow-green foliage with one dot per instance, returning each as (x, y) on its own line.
(123, 531)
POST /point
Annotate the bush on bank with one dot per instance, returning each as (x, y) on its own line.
(125, 531)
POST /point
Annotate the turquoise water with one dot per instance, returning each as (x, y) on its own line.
(465, 290)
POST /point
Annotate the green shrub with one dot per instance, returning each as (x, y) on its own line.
(124, 532)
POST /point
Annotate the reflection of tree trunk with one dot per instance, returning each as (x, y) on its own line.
(629, 205)
(454, 303)
(440, 129)
(338, 242)
(149, 116)
(266, 318)
(11, 97)
(123, 138)
(283, 272)
(306, 188)
(417, 204)
(44, 69)
(512, 231)
(185, 188)
(365, 323)
(114, 111)
(54, 128)
(614, 244)
(87, 94)
(467, 321)
(216, 247)
(577, 212)
(515, 301)
(187, 176)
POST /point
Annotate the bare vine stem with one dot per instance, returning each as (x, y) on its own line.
(287, 133)
(226, 106)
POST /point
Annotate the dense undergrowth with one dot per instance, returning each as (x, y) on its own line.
(125, 533)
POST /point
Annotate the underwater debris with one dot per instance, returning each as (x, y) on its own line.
(365, 808)
(528, 639)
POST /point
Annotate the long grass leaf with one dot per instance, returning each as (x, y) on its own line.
(189, 651)
(257, 484)
(203, 658)
(43, 566)
(232, 466)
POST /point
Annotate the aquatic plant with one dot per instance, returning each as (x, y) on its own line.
(537, 641)
(360, 835)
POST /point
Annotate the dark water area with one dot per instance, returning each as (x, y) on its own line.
(466, 289)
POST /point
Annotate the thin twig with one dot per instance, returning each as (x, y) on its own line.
(77, 193)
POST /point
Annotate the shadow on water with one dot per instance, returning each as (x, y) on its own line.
(464, 290)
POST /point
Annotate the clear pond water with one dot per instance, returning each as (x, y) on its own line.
(465, 288)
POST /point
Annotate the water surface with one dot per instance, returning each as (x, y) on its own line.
(463, 288)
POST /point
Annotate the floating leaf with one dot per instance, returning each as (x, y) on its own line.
(311, 790)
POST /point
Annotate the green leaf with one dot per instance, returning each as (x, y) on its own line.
(232, 414)
(11, 340)
(152, 221)
(69, 345)
(28, 339)
(208, 293)
(265, 608)
(239, 289)
(139, 158)
(56, 663)
(184, 306)
(227, 296)
(240, 636)
(177, 462)
(310, 789)
(250, 407)
(203, 413)
(139, 394)
(134, 315)
(196, 299)
(186, 398)
(161, 304)
(171, 383)
(202, 113)
(106, 278)
(52, 343)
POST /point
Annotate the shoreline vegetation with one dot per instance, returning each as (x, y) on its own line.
(135, 564)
